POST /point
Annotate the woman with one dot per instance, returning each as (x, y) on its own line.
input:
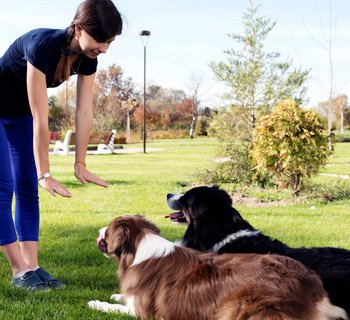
(37, 60)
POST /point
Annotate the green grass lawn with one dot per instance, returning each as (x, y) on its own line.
(138, 184)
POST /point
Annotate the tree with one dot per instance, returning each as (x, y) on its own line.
(335, 111)
(129, 106)
(56, 115)
(256, 81)
(62, 107)
(194, 85)
(184, 113)
(205, 116)
(166, 109)
(328, 46)
(290, 144)
(234, 135)
(341, 105)
(111, 91)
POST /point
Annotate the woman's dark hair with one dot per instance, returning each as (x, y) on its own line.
(99, 18)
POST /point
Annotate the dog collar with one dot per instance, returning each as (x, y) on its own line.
(232, 237)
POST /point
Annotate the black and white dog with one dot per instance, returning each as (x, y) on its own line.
(214, 225)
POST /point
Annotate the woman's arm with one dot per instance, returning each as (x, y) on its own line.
(83, 123)
(84, 115)
(38, 100)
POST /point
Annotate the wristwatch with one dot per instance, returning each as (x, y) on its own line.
(44, 176)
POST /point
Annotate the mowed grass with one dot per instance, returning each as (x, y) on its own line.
(138, 184)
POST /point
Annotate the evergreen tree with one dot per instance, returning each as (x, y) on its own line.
(256, 82)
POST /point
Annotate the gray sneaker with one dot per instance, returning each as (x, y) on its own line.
(48, 279)
(31, 282)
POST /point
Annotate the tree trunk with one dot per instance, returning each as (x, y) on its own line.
(193, 124)
(342, 121)
(330, 142)
(128, 126)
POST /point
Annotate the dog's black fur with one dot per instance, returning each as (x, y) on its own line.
(211, 218)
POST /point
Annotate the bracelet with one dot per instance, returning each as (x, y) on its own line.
(44, 176)
(82, 162)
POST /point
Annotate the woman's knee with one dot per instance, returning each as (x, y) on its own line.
(26, 186)
(6, 190)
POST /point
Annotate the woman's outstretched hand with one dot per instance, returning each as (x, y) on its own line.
(54, 187)
(85, 176)
(81, 173)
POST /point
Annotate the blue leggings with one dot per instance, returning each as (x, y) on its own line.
(18, 177)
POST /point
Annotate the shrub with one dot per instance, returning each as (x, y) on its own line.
(202, 126)
(290, 144)
(234, 136)
(168, 134)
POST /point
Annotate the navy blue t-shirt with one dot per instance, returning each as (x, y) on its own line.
(42, 48)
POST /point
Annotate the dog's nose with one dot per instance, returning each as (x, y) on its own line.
(173, 201)
(102, 246)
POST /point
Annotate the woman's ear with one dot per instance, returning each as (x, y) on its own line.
(78, 28)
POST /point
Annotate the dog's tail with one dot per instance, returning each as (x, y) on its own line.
(328, 311)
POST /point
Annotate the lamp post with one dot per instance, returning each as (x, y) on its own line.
(144, 34)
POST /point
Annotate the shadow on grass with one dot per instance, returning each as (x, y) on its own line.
(75, 184)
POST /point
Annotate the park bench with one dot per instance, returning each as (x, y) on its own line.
(104, 141)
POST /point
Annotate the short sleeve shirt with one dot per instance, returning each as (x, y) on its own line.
(42, 48)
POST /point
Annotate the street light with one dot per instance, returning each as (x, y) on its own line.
(144, 34)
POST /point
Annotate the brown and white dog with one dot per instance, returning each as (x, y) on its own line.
(161, 280)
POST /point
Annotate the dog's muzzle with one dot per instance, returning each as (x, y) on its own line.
(100, 241)
(173, 201)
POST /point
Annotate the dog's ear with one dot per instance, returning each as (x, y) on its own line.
(215, 199)
(117, 238)
(223, 195)
(141, 223)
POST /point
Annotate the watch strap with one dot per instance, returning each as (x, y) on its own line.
(44, 176)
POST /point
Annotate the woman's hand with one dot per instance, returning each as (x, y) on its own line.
(54, 187)
(85, 176)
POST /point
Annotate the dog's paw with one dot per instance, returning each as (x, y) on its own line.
(109, 307)
(99, 305)
(118, 298)
(92, 304)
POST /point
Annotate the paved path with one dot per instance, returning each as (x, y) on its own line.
(136, 150)
(121, 151)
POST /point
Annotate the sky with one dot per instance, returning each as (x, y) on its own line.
(186, 35)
